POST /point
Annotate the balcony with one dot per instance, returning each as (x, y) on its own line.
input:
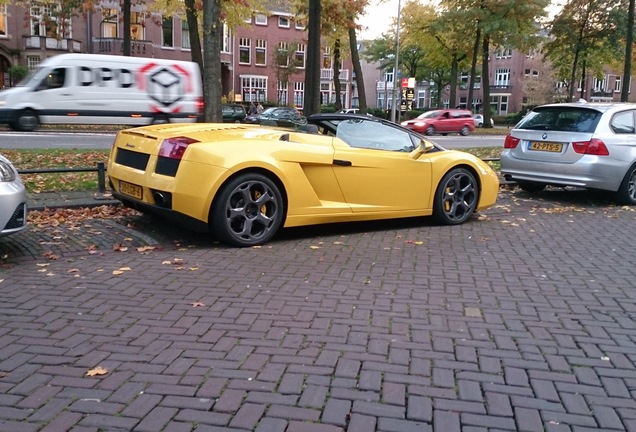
(115, 46)
(49, 43)
(384, 85)
(327, 74)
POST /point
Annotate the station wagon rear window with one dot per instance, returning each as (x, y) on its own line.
(569, 119)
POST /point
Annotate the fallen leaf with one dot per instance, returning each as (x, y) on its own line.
(314, 247)
(97, 371)
(197, 304)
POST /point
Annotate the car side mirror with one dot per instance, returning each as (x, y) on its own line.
(423, 147)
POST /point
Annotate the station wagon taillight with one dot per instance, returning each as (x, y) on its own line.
(174, 148)
(594, 147)
(200, 104)
(511, 142)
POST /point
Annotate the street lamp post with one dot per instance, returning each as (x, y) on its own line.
(396, 89)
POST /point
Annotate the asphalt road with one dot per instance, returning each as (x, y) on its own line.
(524, 319)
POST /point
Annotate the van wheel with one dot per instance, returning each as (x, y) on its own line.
(26, 120)
(161, 119)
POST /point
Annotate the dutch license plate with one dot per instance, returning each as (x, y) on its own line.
(130, 189)
(545, 146)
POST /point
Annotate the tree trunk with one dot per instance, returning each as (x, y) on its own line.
(453, 82)
(193, 29)
(485, 81)
(629, 41)
(357, 70)
(312, 72)
(336, 74)
(126, 43)
(212, 34)
(473, 70)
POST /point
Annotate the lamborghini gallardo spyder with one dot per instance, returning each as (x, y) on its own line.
(242, 183)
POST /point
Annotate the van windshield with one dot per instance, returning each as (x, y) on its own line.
(33, 78)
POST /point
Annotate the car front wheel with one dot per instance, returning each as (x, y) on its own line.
(464, 131)
(248, 211)
(430, 131)
(456, 197)
(627, 192)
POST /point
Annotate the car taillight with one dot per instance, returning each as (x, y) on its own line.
(594, 147)
(200, 104)
(174, 148)
(511, 142)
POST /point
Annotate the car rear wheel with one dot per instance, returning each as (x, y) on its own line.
(26, 120)
(430, 130)
(627, 192)
(456, 197)
(248, 211)
(464, 131)
(531, 187)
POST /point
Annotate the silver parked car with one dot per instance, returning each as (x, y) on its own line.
(590, 145)
(479, 120)
(13, 199)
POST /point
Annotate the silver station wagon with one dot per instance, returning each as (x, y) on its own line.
(589, 145)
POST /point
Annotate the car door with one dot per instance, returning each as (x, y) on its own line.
(375, 170)
(444, 122)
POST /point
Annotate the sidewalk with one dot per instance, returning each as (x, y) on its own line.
(71, 199)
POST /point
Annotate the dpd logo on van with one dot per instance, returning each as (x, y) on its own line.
(164, 84)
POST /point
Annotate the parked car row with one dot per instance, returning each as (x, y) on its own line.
(254, 180)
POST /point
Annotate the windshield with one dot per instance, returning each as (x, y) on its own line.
(429, 114)
(558, 118)
(33, 78)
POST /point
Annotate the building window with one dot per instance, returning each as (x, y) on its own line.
(245, 46)
(33, 62)
(260, 58)
(326, 58)
(137, 25)
(617, 85)
(44, 21)
(282, 55)
(299, 56)
(283, 93)
(463, 81)
(502, 77)
(3, 21)
(227, 47)
(254, 88)
(185, 35)
(421, 98)
(167, 34)
(477, 82)
(388, 75)
(299, 25)
(598, 85)
(260, 19)
(110, 23)
(283, 22)
(299, 94)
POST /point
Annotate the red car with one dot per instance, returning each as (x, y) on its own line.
(443, 122)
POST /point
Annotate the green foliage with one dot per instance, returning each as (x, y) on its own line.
(17, 72)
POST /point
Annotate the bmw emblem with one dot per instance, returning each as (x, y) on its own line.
(544, 136)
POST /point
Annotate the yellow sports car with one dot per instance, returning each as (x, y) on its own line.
(243, 182)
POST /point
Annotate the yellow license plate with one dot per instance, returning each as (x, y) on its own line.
(130, 189)
(546, 146)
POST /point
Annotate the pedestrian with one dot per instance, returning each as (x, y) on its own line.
(259, 108)
(252, 109)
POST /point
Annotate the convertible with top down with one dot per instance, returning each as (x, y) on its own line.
(242, 183)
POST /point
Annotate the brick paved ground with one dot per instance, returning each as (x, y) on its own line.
(523, 319)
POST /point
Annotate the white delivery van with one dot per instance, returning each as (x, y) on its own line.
(104, 89)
